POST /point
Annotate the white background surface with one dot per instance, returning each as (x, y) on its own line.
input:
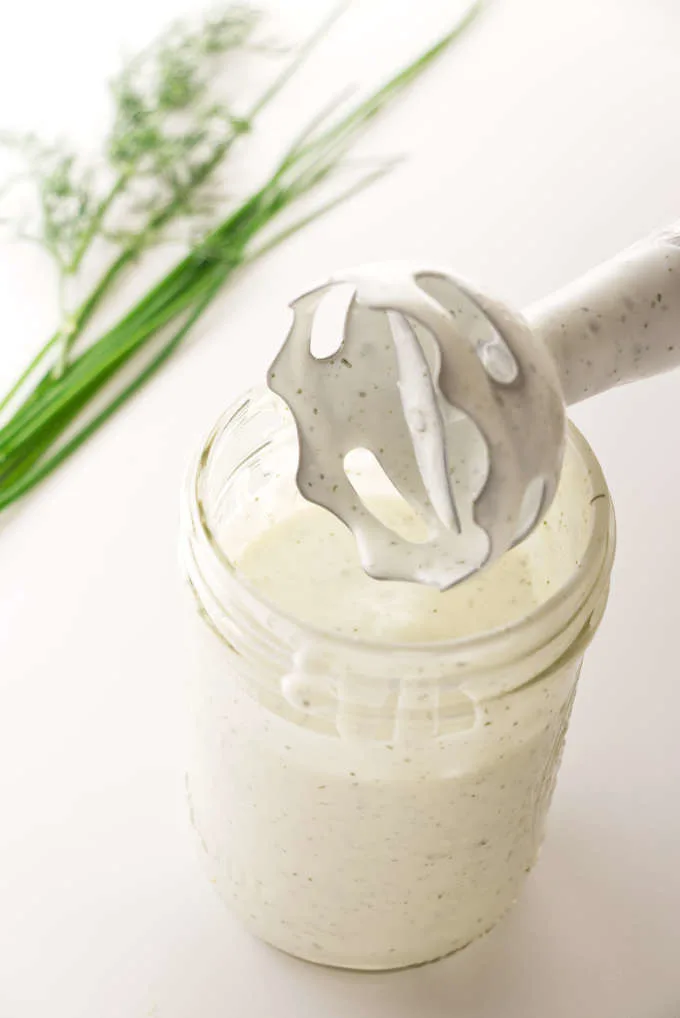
(544, 142)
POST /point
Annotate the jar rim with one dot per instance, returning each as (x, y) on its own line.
(594, 566)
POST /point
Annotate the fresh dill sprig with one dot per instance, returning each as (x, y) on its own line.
(169, 132)
(169, 136)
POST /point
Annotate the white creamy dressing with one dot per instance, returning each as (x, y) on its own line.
(307, 565)
(377, 843)
(449, 391)
(618, 323)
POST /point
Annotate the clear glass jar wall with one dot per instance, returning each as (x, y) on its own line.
(364, 804)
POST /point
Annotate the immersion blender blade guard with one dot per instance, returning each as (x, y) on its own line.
(450, 392)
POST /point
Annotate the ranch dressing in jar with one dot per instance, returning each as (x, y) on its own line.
(373, 760)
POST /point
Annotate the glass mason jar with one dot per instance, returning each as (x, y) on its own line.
(364, 804)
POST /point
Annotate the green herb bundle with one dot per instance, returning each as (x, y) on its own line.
(170, 135)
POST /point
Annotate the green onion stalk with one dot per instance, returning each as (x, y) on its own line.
(168, 139)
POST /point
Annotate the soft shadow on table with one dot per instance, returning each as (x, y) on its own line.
(580, 938)
(9, 515)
